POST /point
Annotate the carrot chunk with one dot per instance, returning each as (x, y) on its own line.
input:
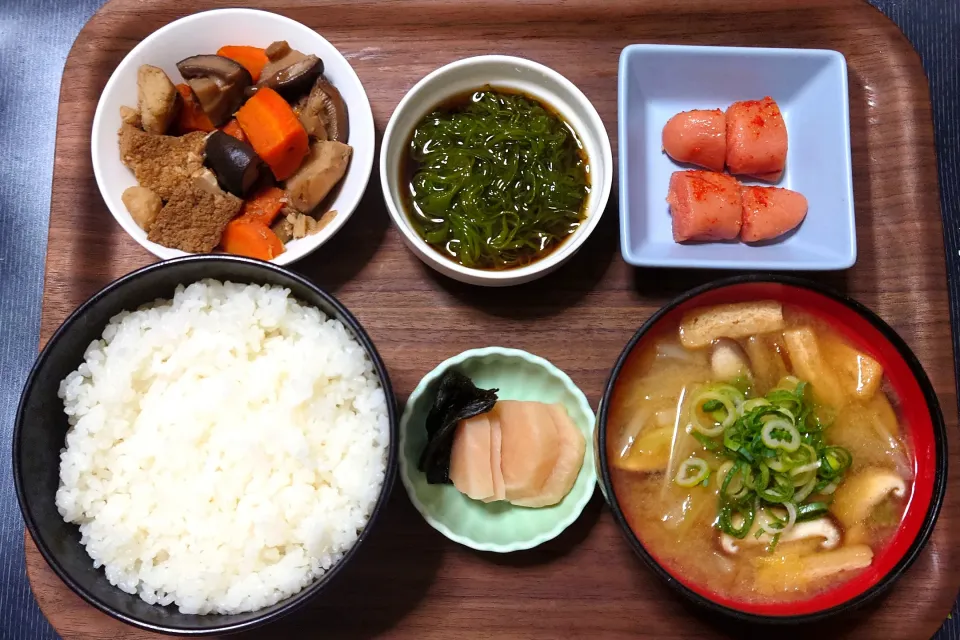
(249, 237)
(265, 204)
(274, 132)
(232, 128)
(253, 59)
(191, 117)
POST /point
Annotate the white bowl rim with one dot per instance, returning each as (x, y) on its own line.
(566, 248)
(364, 117)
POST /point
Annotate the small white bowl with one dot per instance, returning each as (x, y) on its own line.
(205, 33)
(506, 72)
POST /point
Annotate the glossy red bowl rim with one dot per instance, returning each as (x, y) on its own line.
(908, 378)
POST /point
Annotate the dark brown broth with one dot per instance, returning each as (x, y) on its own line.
(408, 167)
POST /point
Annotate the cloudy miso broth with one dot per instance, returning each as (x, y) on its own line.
(756, 453)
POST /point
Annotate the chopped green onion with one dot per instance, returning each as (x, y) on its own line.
(835, 460)
(777, 457)
(826, 489)
(708, 444)
(781, 491)
(753, 403)
(711, 400)
(777, 464)
(780, 434)
(773, 543)
(722, 472)
(712, 405)
(734, 486)
(802, 479)
(804, 492)
(692, 472)
(746, 511)
(811, 511)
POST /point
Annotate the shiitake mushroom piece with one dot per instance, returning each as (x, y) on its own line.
(218, 82)
(323, 112)
(235, 163)
(294, 80)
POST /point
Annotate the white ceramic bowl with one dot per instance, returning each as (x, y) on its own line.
(506, 72)
(205, 33)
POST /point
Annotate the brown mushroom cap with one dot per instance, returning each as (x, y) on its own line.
(294, 80)
(218, 83)
(280, 56)
(236, 165)
(334, 109)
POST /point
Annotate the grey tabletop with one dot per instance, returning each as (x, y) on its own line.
(35, 37)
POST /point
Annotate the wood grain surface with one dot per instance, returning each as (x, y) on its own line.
(408, 581)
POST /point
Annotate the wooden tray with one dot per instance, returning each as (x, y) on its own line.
(409, 581)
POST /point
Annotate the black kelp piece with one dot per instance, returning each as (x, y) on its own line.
(457, 399)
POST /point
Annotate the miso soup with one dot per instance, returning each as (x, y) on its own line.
(757, 453)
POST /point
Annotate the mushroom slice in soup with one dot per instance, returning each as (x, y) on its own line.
(792, 571)
(728, 361)
(828, 563)
(860, 494)
(820, 528)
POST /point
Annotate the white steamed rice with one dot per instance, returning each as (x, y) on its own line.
(226, 447)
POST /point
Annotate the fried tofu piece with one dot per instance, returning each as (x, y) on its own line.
(144, 206)
(157, 99)
(737, 320)
(808, 364)
(766, 361)
(859, 374)
(161, 163)
(318, 175)
(193, 219)
(130, 116)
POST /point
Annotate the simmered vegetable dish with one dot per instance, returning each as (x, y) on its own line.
(496, 180)
(755, 452)
(240, 156)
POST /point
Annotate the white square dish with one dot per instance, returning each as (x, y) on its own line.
(810, 86)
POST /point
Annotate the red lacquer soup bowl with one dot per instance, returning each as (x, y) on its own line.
(920, 418)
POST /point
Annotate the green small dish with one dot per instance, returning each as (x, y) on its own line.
(496, 526)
